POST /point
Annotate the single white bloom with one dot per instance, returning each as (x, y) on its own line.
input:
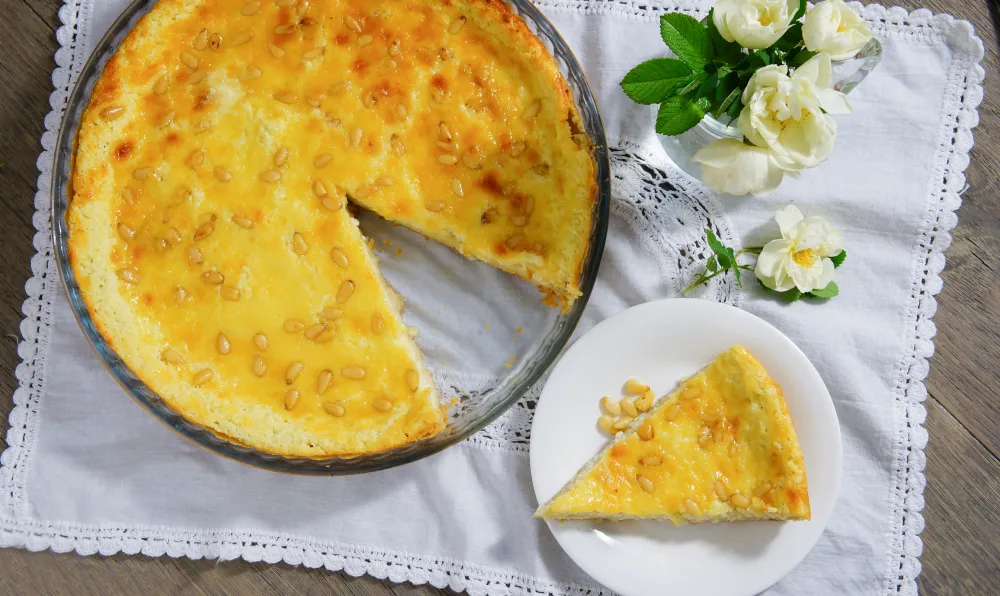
(833, 27)
(754, 24)
(801, 257)
(790, 115)
(731, 166)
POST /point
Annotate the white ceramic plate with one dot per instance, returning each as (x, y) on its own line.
(660, 343)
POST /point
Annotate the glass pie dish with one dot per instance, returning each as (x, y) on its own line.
(485, 335)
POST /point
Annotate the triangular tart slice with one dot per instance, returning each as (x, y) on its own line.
(720, 447)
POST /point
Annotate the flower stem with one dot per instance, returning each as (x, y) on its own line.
(702, 280)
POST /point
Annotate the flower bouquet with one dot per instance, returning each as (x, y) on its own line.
(765, 65)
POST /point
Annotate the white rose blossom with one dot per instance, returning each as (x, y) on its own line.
(790, 115)
(833, 27)
(801, 257)
(754, 24)
(731, 166)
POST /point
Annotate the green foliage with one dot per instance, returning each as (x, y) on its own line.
(687, 38)
(655, 80)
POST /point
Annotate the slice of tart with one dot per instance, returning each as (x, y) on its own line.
(721, 447)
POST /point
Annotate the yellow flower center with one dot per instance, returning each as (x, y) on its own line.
(804, 258)
(765, 19)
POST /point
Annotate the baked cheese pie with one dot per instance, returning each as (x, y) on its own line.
(721, 447)
(210, 221)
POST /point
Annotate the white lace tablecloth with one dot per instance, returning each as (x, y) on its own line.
(87, 470)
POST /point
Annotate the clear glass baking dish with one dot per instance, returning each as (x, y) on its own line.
(484, 378)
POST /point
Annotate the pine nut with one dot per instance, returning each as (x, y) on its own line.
(412, 380)
(628, 406)
(293, 325)
(161, 85)
(645, 483)
(322, 160)
(189, 60)
(353, 372)
(394, 48)
(382, 405)
(204, 231)
(607, 424)
(126, 232)
(645, 401)
(721, 490)
(356, 135)
(636, 387)
(291, 398)
(259, 367)
(229, 293)
(222, 174)
(299, 244)
(456, 187)
(448, 159)
(286, 29)
(519, 220)
(435, 206)
(142, 173)
(532, 110)
(280, 157)
(691, 392)
(222, 344)
(196, 158)
(203, 376)
(517, 148)
(112, 113)
(313, 53)
(397, 144)
(514, 241)
(739, 501)
(352, 24)
(718, 433)
(345, 291)
(365, 191)
(323, 380)
(242, 221)
(250, 9)
(385, 181)
(215, 41)
(314, 330)
(622, 423)
(646, 431)
(692, 508)
(334, 409)
(611, 406)
(319, 189)
(762, 489)
(172, 356)
(213, 278)
(672, 411)
(293, 371)
(242, 37)
(331, 313)
(285, 97)
(180, 294)
(651, 460)
(275, 51)
(200, 41)
(251, 73)
(260, 340)
(270, 176)
(705, 437)
(456, 25)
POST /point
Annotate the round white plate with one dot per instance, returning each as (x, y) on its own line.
(660, 343)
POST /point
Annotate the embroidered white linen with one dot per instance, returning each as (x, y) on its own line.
(87, 470)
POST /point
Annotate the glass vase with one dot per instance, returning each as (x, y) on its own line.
(847, 74)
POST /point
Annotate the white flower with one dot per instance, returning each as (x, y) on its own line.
(801, 257)
(790, 114)
(732, 166)
(754, 24)
(833, 27)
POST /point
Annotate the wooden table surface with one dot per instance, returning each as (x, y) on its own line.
(962, 513)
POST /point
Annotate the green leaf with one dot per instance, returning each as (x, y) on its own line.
(732, 259)
(679, 114)
(692, 85)
(734, 110)
(829, 291)
(726, 103)
(801, 57)
(729, 52)
(712, 265)
(655, 80)
(839, 258)
(707, 86)
(788, 295)
(687, 38)
(713, 242)
(759, 58)
(801, 11)
(790, 38)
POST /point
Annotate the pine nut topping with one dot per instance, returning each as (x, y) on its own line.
(203, 376)
(334, 409)
(250, 9)
(200, 41)
(532, 110)
(323, 380)
(285, 96)
(172, 356)
(112, 112)
(739, 501)
(260, 340)
(213, 278)
(519, 220)
(356, 135)
(319, 189)
(385, 181)
(364, 40)
(242, 221)
(378, 324)
(215, 41)
(611, 406)
(456, 187)
(126, 233)
(189, 60)
(275, 51)
(448, 159)
(514, 241)
(332, 313)
(646, 431)
(721, 490)
(293, 371)
(762, 489)
(197, 76)
(180, 294)
(229, 293)
(622, 423)
(645, 401)
(203, 231)
(352, 24)
(312, 331)
(435, 206)
(161, 85)
(322, 160)
(299, 244)
(645, 483)
(142, 173)
(353, 372)
(270, 176)
(293, 325)
(291, 398)
(251, 73)
(607, 424)
(628, 406)
(692, 508)
(412, 379)
(333, 204)
(672, 411)
(313, 53)
(345, 291)
(222, 344)
(691, 392)
(242, 37)
(456, 25)
(222, 174)
(651, 460)
(382, 405)
(636, 387)
(259, 367)
(286, 29)
(280, 157)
